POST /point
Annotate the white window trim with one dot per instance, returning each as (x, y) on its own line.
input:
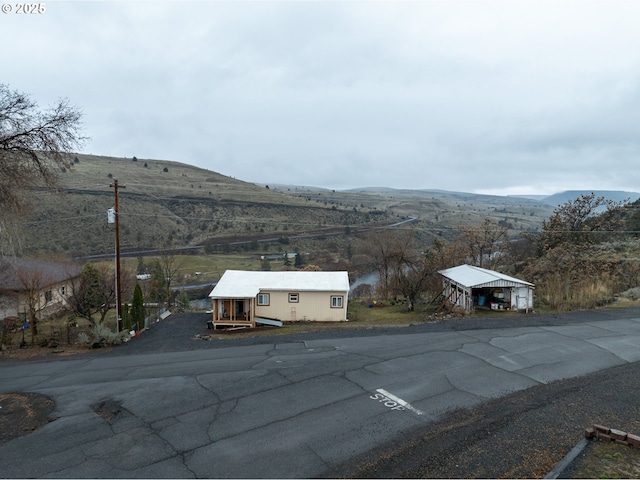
(263, 295)
(335, 299)
(294, 297)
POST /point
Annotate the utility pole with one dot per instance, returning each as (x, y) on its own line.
(114, 185)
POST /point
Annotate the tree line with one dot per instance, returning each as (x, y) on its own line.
(571, 261)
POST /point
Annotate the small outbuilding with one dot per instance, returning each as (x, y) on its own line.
(244, 298)
(467, 287)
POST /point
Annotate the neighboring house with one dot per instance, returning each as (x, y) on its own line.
(242, 298)
(466, 287)
(49, 286)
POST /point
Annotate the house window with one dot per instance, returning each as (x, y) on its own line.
(336, 301)
(63, 290)
(263, 299)
(293, 298)
(48, 296)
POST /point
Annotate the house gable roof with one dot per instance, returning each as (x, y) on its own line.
(246, 284)
(19, 274)
(475, 277)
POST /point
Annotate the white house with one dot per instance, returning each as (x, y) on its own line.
(242, 297)
(467, 286)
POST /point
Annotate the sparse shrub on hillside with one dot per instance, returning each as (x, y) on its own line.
(165, 170)
(312, 268)
(631, 294)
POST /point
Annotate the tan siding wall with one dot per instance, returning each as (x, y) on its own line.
(43, 308)
(311, 306)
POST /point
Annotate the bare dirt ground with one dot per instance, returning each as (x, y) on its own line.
(23, 413)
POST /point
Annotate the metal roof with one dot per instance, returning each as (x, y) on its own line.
(476, 277)
(19, 274)
(246, 284)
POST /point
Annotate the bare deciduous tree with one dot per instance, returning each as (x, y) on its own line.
(381, 248)
(440, 256)
(33, 142)
(40, 283)
(165, 269)
(33, 282)
(484, 242)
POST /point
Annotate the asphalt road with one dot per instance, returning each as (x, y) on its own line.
(167, 405)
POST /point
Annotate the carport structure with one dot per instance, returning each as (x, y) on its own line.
(466, 287)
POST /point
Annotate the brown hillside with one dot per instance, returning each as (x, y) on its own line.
(164, 203)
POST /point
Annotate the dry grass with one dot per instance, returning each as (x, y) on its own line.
(608, 460)
(171, 203)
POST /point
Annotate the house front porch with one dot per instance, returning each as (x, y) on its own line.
(234, 312)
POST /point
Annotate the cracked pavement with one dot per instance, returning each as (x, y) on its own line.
(286, 407)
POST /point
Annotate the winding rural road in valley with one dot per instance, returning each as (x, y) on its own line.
(195, 248)
(291, 406)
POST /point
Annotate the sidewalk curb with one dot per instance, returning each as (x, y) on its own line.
(566, 461)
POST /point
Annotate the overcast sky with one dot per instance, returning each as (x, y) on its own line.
(501, 97)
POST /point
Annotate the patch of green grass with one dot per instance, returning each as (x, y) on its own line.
(209, 267)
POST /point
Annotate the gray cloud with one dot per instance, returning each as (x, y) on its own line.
(489, 96)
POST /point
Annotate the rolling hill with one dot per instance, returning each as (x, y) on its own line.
(170, 204)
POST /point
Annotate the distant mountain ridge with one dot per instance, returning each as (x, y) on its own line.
(549, 200)
(615, 195)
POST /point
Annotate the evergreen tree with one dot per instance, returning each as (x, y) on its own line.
(137, 308)
(142, 269)
(158, 284)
